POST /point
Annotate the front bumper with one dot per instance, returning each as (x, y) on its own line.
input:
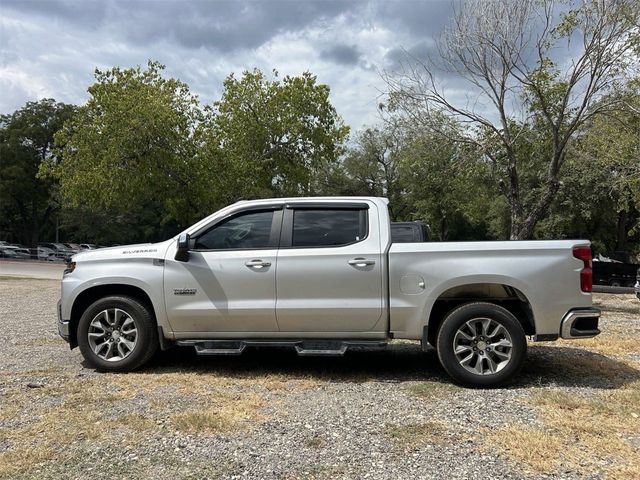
(63, 325)
(580, 323)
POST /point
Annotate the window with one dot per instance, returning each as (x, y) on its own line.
(326, 227)
(402, 234)
(248, 230)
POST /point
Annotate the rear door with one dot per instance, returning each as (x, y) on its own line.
(329, 275)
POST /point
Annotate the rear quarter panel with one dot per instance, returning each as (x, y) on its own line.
(545, 272)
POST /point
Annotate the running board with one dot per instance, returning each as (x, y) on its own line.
(304, 348)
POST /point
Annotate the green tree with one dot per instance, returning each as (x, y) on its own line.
(135, 142)
(370, 167)
(507, 54)
(27, 203)
(603, 175)
(269, 137)
(447, 185)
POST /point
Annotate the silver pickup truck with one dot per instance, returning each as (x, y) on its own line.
(322, 275)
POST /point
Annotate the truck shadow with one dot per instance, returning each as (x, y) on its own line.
(545, 366)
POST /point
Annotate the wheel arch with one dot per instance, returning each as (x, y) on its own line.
(90, 295)
(505, 295)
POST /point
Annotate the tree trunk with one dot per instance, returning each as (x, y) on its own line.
(621, 231)
(539, 211)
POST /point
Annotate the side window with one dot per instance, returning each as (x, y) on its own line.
(402, 234)
(248, 230)
(326, 227)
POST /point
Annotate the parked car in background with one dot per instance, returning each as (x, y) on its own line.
(8, 252)
(47, 254)
(20, 251)
(88, 246)
(637, 287)
(613, 273)
(75, 247)
(60, 249)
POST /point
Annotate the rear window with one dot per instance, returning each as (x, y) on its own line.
(402, 234)
(328, 228)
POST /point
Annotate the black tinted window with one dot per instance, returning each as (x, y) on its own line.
(249, 230)
(402, 234)
(318, 228)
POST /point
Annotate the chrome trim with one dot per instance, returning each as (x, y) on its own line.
(570, 318)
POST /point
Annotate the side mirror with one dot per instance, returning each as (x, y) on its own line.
(182, 252)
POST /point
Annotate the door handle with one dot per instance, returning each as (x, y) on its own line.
(361, 262)
(257, 264)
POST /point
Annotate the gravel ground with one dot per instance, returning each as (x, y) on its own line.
(271, 414)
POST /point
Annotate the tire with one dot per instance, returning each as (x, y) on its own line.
(615, 283)
(495, 328)
(108, 342)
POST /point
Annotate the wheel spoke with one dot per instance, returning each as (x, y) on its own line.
(502, 343)
(472, 328)
(128, 326)
(129, 344)
(121, 350)
(486, 323)
(500, 354)
(463, 348)
(478, 367)
(98, 348)
(495, 331)
(491, 363)
(464, 335)
(467, 359)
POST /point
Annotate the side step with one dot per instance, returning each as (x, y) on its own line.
(304, 348)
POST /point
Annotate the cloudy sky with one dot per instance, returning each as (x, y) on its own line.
(51, 48)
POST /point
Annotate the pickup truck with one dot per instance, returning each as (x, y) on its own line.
(322, 275)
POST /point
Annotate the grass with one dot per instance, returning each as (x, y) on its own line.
(226, 414)
(589, 435)
(433, 390)
(39, 424)
(592, 431)
(415, 436)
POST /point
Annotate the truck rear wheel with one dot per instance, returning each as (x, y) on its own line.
(481, 345)
(117, 334)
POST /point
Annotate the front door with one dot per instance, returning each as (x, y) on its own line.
(228, 283)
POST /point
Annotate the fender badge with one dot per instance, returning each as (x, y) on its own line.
(184, 291)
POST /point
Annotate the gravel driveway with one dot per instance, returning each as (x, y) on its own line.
(271, 414)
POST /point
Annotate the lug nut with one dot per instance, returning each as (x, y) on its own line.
(481, 352)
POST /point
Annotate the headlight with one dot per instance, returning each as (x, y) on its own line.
(71, 266)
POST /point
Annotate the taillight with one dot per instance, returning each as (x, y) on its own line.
(586, 274)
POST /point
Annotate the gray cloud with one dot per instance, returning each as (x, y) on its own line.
(222, 25)
(51, 48)
(342, 54)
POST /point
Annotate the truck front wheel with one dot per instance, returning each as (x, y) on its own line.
(117, 334)
(481, 345)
